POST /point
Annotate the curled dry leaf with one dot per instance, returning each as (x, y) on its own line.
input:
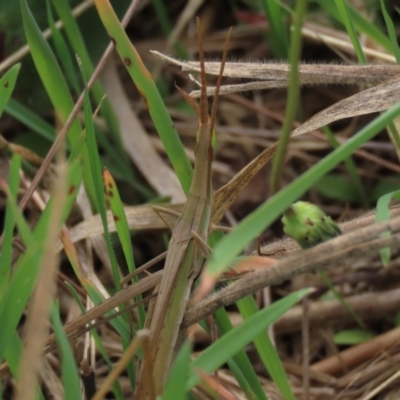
(374, 99)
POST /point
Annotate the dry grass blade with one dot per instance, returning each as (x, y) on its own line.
(374, 99)
(187, 14)
(225, 196)
(273, 75)
(310, 74)
(142, 339)
(139, 217)
(358, 354)
(368, 306)
(77, 327)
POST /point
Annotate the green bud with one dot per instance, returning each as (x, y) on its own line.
(308, 225)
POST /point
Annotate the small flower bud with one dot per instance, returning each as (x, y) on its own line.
(308, 225)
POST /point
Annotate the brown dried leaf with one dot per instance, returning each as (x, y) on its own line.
(377, 98)
(224, 197)
(139, 217)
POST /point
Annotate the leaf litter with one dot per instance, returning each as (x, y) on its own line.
(370, 289)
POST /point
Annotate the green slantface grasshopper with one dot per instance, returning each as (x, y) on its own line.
(185, 255)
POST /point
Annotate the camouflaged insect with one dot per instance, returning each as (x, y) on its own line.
(308, 225)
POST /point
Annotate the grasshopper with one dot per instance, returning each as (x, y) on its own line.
(185, 254)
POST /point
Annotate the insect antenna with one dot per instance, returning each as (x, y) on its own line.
(203, 97)
(219, 80)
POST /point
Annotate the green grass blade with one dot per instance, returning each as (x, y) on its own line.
(119, 324)
(266, 350)
(49, 71)
(69, 371)
(278, 37)
(228, 345)
(360, 23)
(54, 83)
(76, 150)
(20, 288)
(63, 53)
(13, 353)
(240, 364)
(116, 386)
(79, 47)
(352, 337)
(241, 380)
(175, 388)
(21, 223)
(347, 22)
(7, 84)
(394, 135)
(74, 180)
(124, 236)
(383, 214)
(293, 96)
(351, 167)
(30, 119)
(340, 298)
(338, 187)
(391, 31)
(115, 159)
(247, 230)
(166, 26)
(13, 356)
(95, 171)
(28, 266)
(126, 334)
(9, 223)
(148, 90)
